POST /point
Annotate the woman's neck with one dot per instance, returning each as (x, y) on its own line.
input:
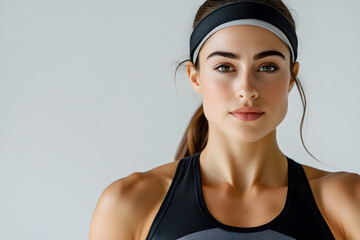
(243, 165)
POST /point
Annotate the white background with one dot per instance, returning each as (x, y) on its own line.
(87, 96)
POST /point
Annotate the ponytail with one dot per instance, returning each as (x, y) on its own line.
(195, 136)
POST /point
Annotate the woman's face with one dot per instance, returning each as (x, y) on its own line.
(243, 66)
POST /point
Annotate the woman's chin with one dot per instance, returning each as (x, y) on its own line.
(247, 135)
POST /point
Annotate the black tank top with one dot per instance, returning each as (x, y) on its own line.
(183, 214)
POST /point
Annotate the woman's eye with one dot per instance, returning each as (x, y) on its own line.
(224, 68)
(269, 69)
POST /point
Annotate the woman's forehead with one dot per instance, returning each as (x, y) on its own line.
(244, 38)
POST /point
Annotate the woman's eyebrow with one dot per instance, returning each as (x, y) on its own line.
(268, 53)
(236, 56)
(224, 54)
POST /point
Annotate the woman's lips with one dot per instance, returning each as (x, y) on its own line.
(247, 113)
(250, 116)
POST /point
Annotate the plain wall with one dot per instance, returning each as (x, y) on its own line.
(87, 96)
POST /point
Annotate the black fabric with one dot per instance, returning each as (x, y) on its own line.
(242, 10)
(183, 213)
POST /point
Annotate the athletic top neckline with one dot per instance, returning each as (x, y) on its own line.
(215, 222)
(183, 214)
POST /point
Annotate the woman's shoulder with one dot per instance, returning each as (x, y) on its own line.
(334, 182)
(144, 189)
(152, 183)
(337, 195)
(134, 200)
(139, 184)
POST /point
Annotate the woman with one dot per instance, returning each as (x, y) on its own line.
(233, 181)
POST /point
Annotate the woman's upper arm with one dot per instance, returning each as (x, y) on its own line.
(342, 202)
(351, 210)
(116, 216)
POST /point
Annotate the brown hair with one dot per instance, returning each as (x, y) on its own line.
(196, 135)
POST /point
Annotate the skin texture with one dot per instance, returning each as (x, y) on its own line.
(242, 167)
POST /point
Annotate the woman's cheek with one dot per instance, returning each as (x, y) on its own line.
(215, 94)
(216, 86)
(277, 97)
(278, 89)
(216, 97)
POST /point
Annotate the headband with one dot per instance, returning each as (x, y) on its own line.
(244, 13)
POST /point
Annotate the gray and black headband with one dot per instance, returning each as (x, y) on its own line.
(244, 13)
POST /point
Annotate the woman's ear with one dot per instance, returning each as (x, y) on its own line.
(194, 77)
(295, 69)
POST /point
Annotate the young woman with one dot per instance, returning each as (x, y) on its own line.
(232, 180)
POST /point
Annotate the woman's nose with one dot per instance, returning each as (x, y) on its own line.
(246, 88)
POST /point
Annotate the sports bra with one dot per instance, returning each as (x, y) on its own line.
(183, 214)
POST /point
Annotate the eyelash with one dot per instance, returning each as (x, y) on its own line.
(223, 65)
(273, 66)
(269, 65)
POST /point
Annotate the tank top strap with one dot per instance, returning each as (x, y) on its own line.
(301, 191)
(181, 183)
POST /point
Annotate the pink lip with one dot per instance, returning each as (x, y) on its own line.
(247, 113)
